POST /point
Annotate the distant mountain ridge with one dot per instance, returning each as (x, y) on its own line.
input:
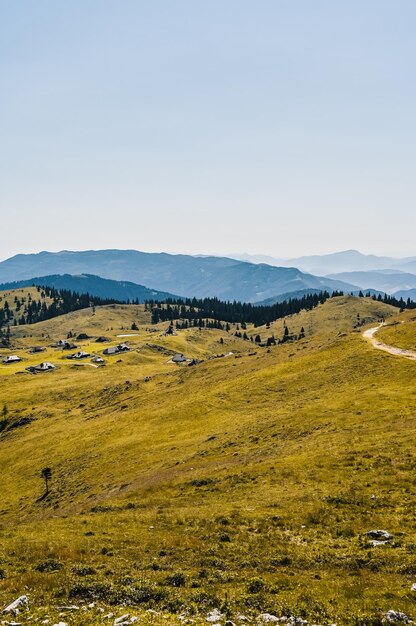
(95, 286)
(388, 281)
(344, 261)
(189, 276)
(405, 294)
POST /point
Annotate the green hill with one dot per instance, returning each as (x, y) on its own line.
(94, 285)
(245, 483)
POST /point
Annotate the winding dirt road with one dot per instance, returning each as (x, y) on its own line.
(370, 335)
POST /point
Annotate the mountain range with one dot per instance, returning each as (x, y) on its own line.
(189, 276)
(389, 281)
(345, 261)
(131, 274)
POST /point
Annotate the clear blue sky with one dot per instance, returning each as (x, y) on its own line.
(282, 127)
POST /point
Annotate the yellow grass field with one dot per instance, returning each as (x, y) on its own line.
(244, 483)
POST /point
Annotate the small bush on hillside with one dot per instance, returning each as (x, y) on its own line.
(256, 585)
(50, 565)
(93, 591)
(176, 580)
(83, 570)
(205, 600)
(143, 594)
(202, 482)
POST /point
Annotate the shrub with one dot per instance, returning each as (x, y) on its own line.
(83, 570)
(144, 594)
(205, 601)
(256, 585)
(50, 565)
(176, 580)
(95, 591)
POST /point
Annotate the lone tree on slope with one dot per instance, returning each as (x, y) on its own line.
(46, 474)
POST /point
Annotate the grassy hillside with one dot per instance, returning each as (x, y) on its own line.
(17, 298)
(122, 291)
(401, 331)
(244, 483)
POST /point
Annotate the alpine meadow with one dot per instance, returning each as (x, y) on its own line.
(207, 313)
(244, 479)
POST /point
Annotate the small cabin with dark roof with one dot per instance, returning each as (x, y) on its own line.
(13, 358)
(66, 345)
(79, 355)
(36, 349)
(42, 367)
(122, 347)
(179, 358)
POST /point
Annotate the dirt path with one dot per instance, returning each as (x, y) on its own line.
(370, 335)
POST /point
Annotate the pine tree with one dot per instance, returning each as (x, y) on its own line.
(46, 474)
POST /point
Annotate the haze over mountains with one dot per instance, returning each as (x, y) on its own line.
(185, 275)
(345, 261)
(390, 281)
(131, 274)
(395, 276)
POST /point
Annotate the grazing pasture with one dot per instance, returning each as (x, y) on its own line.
(246, 483)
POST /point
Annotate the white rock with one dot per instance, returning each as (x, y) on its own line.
(413, 587)
(214, 616)
(267, 618)
(395, 617)
(61, 624)
(379, 535)
(121, 619)
(14, 606)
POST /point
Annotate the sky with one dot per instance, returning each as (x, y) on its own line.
(279, 127)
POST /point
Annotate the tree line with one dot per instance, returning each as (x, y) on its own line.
(214, 310)
(211, 312)
(204, 312)
(397, 302)
(49, 303)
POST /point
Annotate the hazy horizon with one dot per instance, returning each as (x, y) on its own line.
(285, 129)
(228, 254)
